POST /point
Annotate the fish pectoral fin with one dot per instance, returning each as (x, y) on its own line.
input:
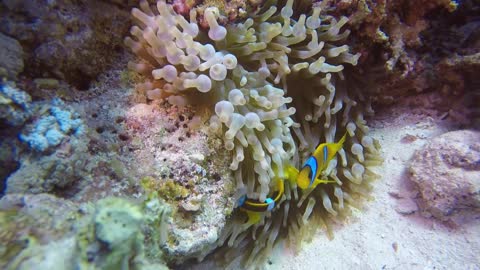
(253, 217)
(281, 190)
(322, 181)
(291, 173)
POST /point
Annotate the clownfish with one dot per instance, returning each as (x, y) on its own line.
(267, 205)
(306, 178)
(317, 163)
(254, 208)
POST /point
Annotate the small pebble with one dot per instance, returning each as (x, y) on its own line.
(408, 139)
(406, 206)
(190, 207)
(197, 157)
(46, 83)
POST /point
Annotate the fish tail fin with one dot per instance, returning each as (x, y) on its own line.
(335, 147)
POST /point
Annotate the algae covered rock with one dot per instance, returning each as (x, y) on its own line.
(55, 255)
(177, 163)
(447, 174)
(117, 222)
(114, 233)
(117, 228)
(55, 173)
(45, 232)
(35, 231)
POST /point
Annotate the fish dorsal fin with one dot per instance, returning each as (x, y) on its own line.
(333, 148)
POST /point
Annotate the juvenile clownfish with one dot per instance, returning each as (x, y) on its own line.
(267, 205)
(317, 163)
(254, 209)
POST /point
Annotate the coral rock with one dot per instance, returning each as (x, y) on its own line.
(447, 173)
(11, 54)
(15, 106)
(67, 40)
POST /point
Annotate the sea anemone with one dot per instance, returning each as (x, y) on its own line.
(283, 69)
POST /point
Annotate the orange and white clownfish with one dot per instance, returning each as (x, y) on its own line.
(317, 163)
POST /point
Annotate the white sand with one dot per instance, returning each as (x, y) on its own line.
(368, 240)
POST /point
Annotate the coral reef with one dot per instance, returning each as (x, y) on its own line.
(232, 95)
(395, 26)
(408, 48)
(447, 173)
(158, 143)
(43, 126)
(52, 124)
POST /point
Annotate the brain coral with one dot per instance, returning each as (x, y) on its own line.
(277, 85)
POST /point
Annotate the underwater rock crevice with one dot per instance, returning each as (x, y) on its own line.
(65, 40)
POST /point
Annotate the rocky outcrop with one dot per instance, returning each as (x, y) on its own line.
(65, 40)
(447, 174)
(11, 57)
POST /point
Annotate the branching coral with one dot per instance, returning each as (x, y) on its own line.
(276, 72)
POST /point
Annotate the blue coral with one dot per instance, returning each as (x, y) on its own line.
(49, 130)
(15, 105)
